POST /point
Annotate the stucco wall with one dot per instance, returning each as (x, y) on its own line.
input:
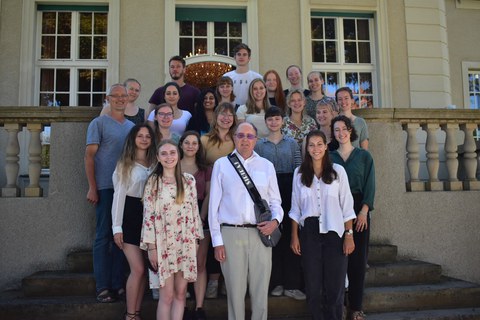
(463, 45)
(37, 233)
(10, 26)
(437, 227)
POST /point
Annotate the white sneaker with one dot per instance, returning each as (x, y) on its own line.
(212, 290)
(277, 291)
(295, 294)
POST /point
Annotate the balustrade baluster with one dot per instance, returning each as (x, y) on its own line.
(470, 157)
(413, 158)
(451, 148)
(433, 163)
(11, 161)
(35, 159)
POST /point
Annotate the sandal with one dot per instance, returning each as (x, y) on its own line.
(130, 316)
(358, 315)
(137, 314)
(120, 294)
(105, 296)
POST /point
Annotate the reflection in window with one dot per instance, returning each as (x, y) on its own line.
(474, 88)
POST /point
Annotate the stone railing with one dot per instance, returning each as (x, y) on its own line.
(34, 119)
(438, 134)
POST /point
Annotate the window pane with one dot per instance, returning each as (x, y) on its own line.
(200, 28)
(331, 84)
(49, 22)
(366, 83)
(63, 80)
(200, 46)
(84, 100)
(331, 51)
(351, 81)
(317, 51)
(221, 47)
(85, 48)
(85, 23)
(46, 79)
(46, 99)
(186, 48)
(350, 52)
(185, 28)
(330, 31)
(63, 48)
(220, 29)
(232, 43)
(235, 29)
(366, 102)
(364, 52)
(362, 29)
(84, 76)
(349, 29)
(100, 48)
(99, 80)
(101, 23)
(98, 100)
(317, 28)
(48, 47)
(62, 99)
(64, 23)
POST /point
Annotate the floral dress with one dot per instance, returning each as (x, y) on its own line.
(290, 129)
(175, 228)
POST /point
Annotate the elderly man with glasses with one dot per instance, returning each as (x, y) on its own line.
(245, 261)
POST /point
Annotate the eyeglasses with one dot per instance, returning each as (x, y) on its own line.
(249, 136)
(226, 115)
(165, 115)
(119, 97)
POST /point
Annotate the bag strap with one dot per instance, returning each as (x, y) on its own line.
(247, 181)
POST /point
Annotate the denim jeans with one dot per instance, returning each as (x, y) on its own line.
(108, 259)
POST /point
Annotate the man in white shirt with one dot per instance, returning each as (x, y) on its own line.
(242, 76)
(234, 229)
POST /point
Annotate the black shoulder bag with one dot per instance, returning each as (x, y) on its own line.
(262, 210)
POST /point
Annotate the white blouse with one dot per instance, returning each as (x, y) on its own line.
(332, 203)
(132, 188)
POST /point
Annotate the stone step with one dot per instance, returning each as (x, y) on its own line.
(442, 314)
(82, 261)
(65, 283)
(402, 273)
(449, 293)
(85, 308)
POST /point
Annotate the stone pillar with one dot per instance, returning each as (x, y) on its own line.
(451, 130)
(470, 157)
(431, 146)
(11, 161)
(35, 160)
(413, 158)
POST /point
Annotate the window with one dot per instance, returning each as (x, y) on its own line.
(72, 56)
(474, 88)
(343, 50)
(209, 31)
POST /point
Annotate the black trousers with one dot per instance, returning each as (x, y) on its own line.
(357, 261)
(286, 266)
(325, 267)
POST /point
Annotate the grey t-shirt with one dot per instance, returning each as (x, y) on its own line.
(110, 136)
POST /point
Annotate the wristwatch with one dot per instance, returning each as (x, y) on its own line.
(349, 232)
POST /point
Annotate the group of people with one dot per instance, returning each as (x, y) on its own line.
(169, 200)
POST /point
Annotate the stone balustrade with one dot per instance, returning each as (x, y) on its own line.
(34, 119)
(459, 147)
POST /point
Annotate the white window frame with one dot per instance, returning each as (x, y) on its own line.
(29, 74)
(467, 67)
(379, 8)
(341, 67)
